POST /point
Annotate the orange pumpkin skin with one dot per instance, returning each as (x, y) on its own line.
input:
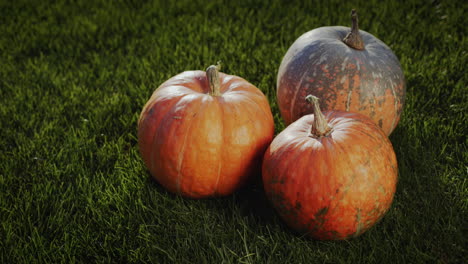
(198, 145)
(334, 187)
(369, 81)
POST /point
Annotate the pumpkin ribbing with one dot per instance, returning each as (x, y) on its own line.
(200, 141)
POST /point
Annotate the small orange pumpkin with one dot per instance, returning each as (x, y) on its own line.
(330, 175)
(202, 134)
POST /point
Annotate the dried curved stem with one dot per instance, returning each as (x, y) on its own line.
(354, 39)
(212, 75)
(320, 126)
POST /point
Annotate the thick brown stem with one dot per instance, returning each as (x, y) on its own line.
(212, 75)
(354, 39)
(320, 126)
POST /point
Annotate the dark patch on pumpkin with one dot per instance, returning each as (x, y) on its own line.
(320, 215)
(335, 235)
(276, 180)
(380, 123)
(363, 107)
(282, 205)
(298, 206)
(367, 162)
(321, 212)
(337, 190)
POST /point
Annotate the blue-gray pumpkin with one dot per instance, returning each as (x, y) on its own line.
(348, 69)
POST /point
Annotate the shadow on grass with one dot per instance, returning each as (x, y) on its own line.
(252, 201)
(248, 201)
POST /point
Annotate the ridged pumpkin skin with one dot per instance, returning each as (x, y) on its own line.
(333, 187)
(368, 81)
(198, 145)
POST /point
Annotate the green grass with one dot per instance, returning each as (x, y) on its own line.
(74, 76)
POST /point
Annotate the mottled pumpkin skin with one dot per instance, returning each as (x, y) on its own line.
(333, 187)
(368, 81)
(198, 145)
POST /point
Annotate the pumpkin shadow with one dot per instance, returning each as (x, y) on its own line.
(252, 201)
(248, 201)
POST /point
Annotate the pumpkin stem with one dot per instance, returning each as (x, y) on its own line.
(354, 39)
(320, 126)
(212, 75)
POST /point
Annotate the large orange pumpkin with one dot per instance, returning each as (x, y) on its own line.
(349, 70)
(202, 134)
(332, 175)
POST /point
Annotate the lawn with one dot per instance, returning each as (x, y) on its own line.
(74, 76)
